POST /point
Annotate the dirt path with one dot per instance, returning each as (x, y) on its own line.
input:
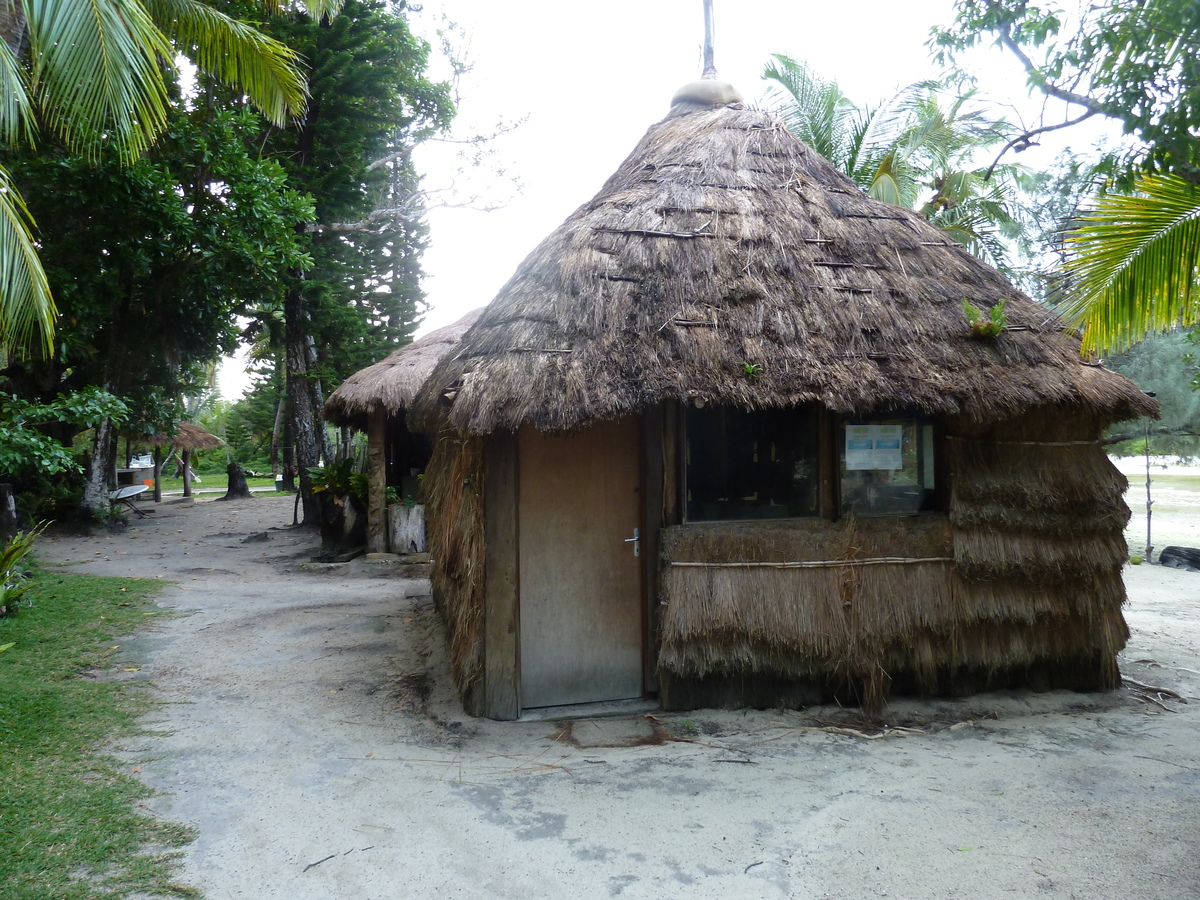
(311, 735)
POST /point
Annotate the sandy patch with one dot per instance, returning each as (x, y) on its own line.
(311, 734)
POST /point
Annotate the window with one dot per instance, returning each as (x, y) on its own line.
(886, 466)
(756, 464)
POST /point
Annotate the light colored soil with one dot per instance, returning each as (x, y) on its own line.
(311, 735)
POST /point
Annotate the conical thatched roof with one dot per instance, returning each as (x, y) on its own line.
(187, 437)
(724, 242)
(393, 382)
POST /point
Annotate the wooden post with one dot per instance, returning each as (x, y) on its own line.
(186, 459)
(377, 538)
(157, 473)
(828, 436)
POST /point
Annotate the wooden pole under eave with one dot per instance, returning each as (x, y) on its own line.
(377, 540)
(158, 473)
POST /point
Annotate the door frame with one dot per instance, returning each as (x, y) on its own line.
(622, 436)
(500, 694)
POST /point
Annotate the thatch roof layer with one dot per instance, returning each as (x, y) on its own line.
(722, 243)
(392, 382)
(187, 437)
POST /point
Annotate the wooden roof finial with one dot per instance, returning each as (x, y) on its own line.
(710, 68)
(708, 91)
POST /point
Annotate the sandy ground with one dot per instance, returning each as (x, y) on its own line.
(310, 734)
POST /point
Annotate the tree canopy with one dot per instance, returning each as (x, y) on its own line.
(1136, 61)
(919, 149)
(97, 78)
(152, 261)
(1132, 256)
(371, 104)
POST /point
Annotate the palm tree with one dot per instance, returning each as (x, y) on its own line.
(1132, 265)
(94, 75)
(910, 151)
(861, 142)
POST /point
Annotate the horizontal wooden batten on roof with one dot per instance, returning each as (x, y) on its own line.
(846, 265)
(644, 232)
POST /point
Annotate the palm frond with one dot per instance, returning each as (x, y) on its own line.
(97, 74)
(814, 110)
(1132, 266)
(16, 119)
(26, 305)
(236, 53)
(316, 9)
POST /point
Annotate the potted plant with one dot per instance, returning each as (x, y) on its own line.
(342, 494)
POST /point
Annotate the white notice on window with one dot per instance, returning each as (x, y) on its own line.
(874, 447)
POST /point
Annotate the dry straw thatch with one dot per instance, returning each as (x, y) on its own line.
(724, 245)
(187, 437)
(724, 242)
(392, 382)
(455, 514)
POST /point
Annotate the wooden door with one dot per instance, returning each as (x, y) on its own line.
(580, 583)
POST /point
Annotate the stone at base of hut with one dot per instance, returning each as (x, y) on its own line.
(336, 557)
(406, 528)
(1180, 558)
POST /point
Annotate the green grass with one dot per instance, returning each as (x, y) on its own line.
(214, 481)
(69, 827)
(1182, 482)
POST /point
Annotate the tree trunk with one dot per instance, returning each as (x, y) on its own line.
(276, 431)
(376, 482)
(238, 489)
(8, 513)
(185, 460)
(305, 419)
(289, 456)
(95, 489)
(324, 445)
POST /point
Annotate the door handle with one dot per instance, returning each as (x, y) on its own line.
(636, 540)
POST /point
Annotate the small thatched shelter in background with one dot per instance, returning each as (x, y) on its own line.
(375, 400)
(726, 437)
(186, 438)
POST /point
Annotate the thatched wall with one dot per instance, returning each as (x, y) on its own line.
(454, 507)
(740, 608)
(1020, 583)
(1038, 517)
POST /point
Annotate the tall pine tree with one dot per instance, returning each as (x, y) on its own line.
(371, 103)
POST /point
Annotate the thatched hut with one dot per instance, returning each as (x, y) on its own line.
(186, 439)
(726, 437)
(375, 400)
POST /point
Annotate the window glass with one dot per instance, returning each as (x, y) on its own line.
(759, 464)
(886, 467)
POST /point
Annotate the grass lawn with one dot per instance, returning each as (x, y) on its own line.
(69, 826)
(215, 481)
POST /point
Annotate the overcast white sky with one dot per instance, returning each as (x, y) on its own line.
(590, 78)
